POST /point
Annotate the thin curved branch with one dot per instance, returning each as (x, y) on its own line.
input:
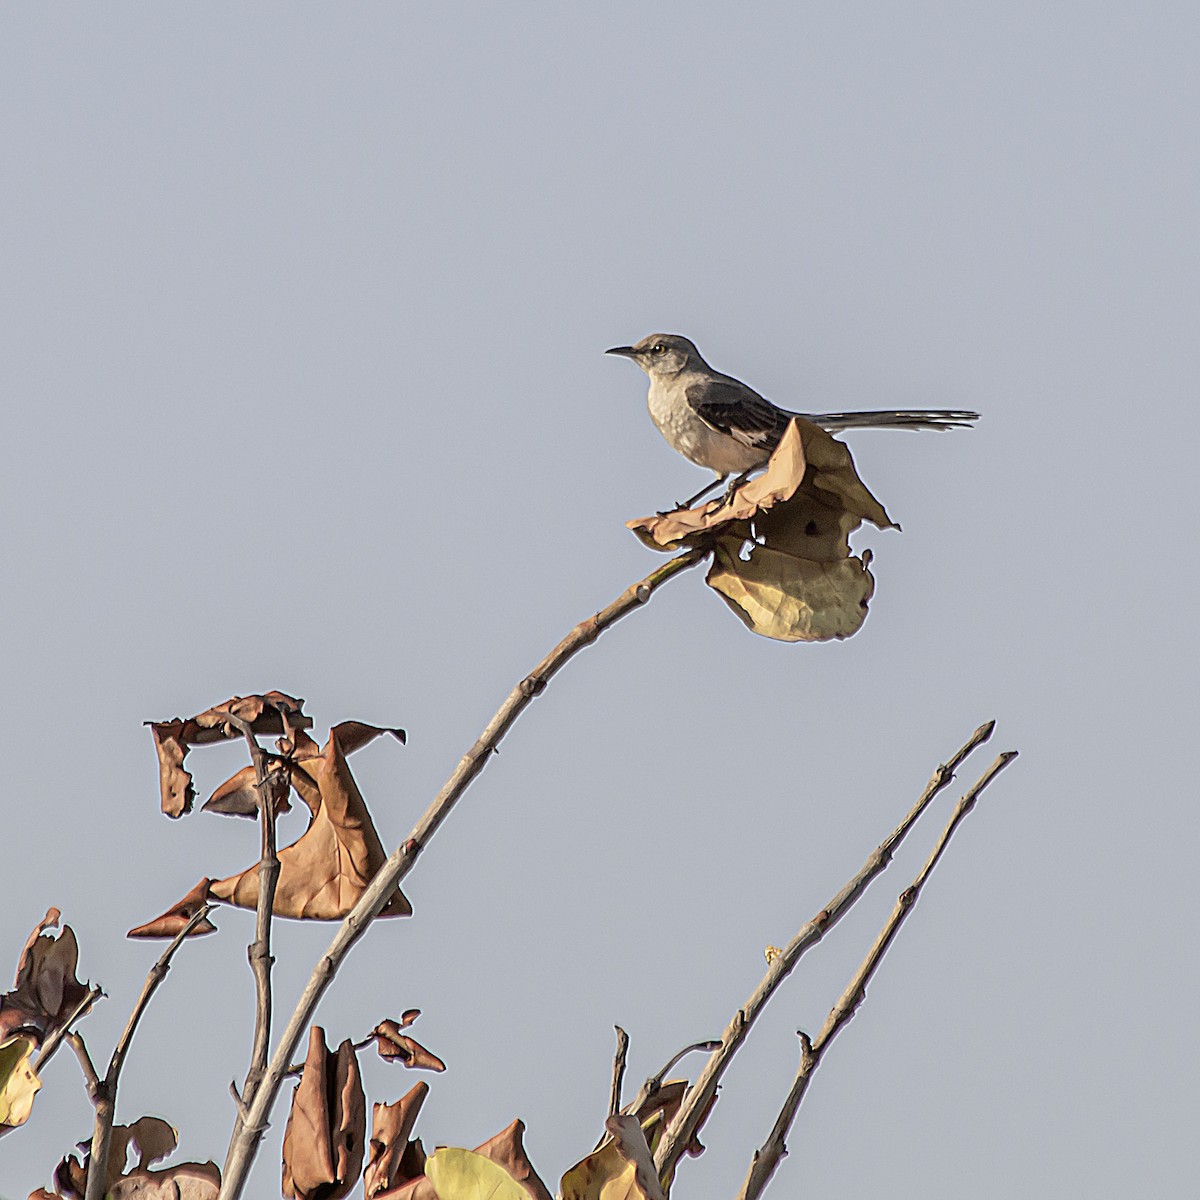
(244, 1145)
(259, 951)
(51, 1044)
(695, 1104)
(768, 1156)
(104, 1097)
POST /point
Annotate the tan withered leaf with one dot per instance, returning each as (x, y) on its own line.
(391, 1128)
(781, 546)
(272, 712)
(186, 1181)
(238, 796)
(325, 871)
(151, 1138)
(323, 874)
(46, 991)
(176, 918)
(394, 1046)
(326, 1129)
(621, 1169)
(791, 599)
(507, 1149)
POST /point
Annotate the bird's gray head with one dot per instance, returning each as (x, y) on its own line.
(662, 354)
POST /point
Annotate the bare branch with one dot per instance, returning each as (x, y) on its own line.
(104, 1098)
(768, 1156)
(269, 784)
(649, 1088)
(618, 1075)
(244, 1145)
(695, 1104)
(90, 1078)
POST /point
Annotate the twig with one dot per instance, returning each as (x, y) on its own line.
(75, 1041)
(51, 1044)
(768, 1156)
(297, 1068)
(259, 951)
(104, 1098)
(651, 1085)
(245, 1145)
(699, 1096)
(618, 1075)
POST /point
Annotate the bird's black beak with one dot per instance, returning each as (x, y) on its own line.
(624, 351)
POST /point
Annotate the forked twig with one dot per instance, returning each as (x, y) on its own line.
(695, 1104)
(104, 1091)
(244, 1144)
(268, 783)
(768, 1156)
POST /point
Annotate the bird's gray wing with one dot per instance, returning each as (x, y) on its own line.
(738, 411)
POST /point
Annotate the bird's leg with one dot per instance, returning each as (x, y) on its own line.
(733, 487)
(682, 504)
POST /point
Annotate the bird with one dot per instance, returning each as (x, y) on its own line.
(722, 424)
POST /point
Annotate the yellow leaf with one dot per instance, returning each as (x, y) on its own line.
(458, 1174)
(18, 1081)
(792, 599)
(621, 1169)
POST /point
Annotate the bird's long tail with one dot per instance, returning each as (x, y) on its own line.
(893, 419)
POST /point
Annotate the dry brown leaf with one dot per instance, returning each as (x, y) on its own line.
(186, 1181)
(170, 923)
(323, 874)
(70, 1177)
(792, 599)
(46, 991)
(621, 1169)
(391, 1128)
(394, 1046)
(272, 712)
(507, 1149)
(238, 796)
(324, 1140)
(325, 871)
(152, 1138)
(781, 545)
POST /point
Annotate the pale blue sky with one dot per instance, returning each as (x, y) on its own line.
(304, 309)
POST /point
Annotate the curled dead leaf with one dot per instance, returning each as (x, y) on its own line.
(238, 795)
(391, 1128)
(621, 1169)
(175, 919)
(325, 871)
(324, 1141)
(46, 991)
(272, 712)
(151, 1139)
(781, 549)
(792, 599)
(394, 1046)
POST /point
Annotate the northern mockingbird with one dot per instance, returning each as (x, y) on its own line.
(718, 422)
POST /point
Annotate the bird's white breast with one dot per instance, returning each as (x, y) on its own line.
(695, 439)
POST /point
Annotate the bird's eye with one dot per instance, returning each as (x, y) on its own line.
(658, 348)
